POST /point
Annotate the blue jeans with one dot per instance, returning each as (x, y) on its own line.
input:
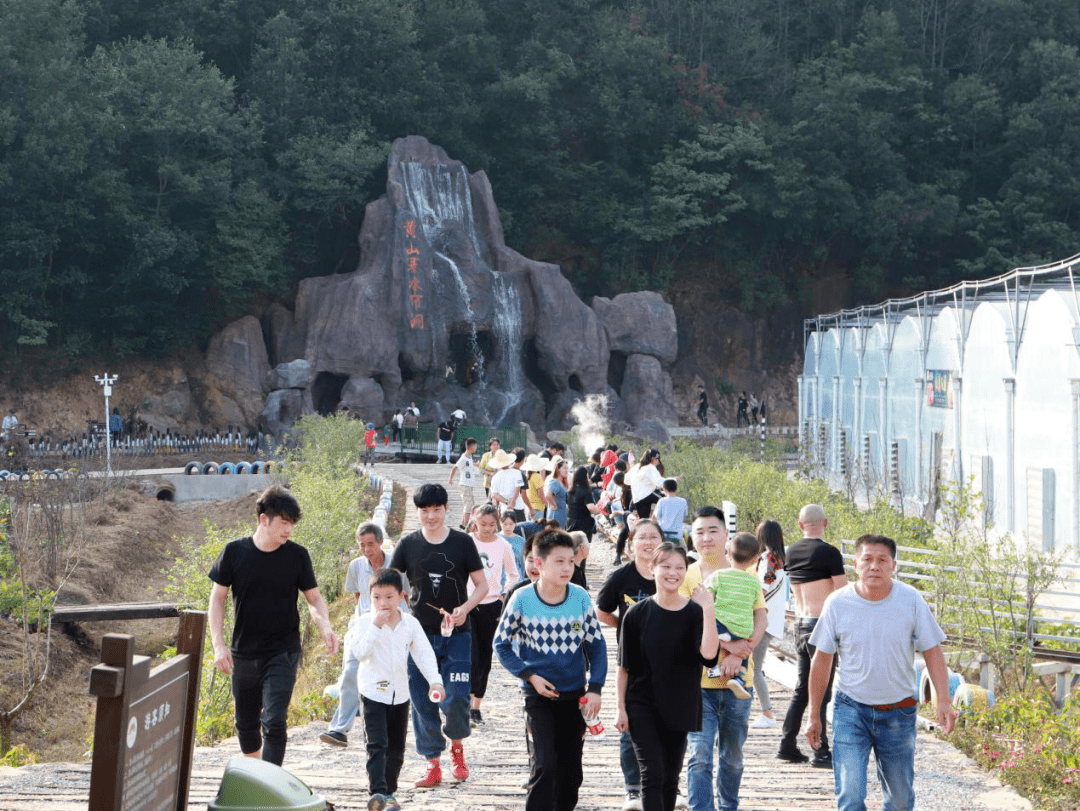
(631, 772)
(453, 654)
(858, 728)
(725, 719)
(349, 695)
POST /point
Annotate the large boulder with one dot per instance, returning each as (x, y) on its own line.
(639, 323)
(294, 375)
(237, 366)
(364, 397)
(571, 346)
(237, 356)
(282, 409)
(647, 391)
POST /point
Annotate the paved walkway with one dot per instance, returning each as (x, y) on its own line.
(946, 780)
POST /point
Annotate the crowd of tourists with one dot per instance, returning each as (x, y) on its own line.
(694, 604)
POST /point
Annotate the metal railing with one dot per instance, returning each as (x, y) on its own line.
(425, 437)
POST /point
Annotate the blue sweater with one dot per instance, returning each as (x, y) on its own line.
(557, 642)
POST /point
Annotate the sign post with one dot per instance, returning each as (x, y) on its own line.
(144, 728)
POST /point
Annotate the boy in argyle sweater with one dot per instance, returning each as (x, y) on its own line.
(549, 637)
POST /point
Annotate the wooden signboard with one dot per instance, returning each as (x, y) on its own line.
(144, 729)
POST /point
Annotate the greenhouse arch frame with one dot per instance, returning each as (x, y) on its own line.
(975, 382)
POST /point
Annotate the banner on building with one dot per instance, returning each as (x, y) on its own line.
(939, 388)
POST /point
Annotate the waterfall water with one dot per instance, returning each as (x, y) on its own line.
(507, 328)
(441, 199)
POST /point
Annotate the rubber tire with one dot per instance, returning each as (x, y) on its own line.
(193, 469)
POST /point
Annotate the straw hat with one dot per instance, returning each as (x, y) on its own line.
(533, 464)
(553, 463)
(501, 459)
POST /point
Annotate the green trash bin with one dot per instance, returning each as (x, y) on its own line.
(255, 785)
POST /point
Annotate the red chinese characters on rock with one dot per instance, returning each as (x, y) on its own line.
(416, 291)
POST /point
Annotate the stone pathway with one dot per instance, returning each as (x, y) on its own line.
(945, 779)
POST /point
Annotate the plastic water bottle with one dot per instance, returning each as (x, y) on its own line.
(447, 626)
(596, 729)
(436, 694)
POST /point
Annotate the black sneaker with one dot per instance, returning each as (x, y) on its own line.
(822, 760)
(793, 755)
(335, 738)
(475, 718)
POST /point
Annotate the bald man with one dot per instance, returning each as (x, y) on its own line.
(815, 570)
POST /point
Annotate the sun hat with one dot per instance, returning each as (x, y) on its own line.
(533, 464)
(501, 459)
(553, 463)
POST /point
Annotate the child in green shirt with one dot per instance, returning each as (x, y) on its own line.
(735, 592)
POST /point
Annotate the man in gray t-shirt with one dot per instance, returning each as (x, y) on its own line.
(876, 625)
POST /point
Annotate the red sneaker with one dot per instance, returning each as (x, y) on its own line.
(457, 756)
(433, 776)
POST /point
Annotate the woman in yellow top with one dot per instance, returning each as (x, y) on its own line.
(534, 467)
(493, 445)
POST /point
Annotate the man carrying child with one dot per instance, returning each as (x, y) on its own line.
(549, 637)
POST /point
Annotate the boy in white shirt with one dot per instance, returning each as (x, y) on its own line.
(469, 476)
(385, 638)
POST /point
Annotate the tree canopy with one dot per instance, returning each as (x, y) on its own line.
(164, 165)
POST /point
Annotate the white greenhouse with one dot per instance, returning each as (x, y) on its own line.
(980, 381)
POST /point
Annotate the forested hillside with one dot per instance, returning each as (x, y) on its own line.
(162, 163)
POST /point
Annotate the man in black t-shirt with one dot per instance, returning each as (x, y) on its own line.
(446, 441)
(266, 573)
(815, 570)
(440, 562)
(627, 586)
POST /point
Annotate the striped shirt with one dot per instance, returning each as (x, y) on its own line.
(735, 593)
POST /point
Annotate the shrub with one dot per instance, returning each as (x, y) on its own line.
(319, 471)
(763, 491)
(1029, 745)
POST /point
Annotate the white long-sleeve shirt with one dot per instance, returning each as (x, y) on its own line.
(644, 481)
(383, 654)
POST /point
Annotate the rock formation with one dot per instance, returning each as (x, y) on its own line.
(441, 312)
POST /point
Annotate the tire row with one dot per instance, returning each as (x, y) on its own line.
(36, 475)
(229, 468)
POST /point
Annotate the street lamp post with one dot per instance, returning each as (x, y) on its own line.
(106, 382)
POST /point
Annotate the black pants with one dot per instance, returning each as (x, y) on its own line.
(387, 726)
(644, 507)
(620, 542)
(659, 752)
(801, 697)
(556, 733)
(262, 688)
(485, 619)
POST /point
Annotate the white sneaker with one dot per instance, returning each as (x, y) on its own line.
(680, 802)
(764, 722)
(633, 800)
